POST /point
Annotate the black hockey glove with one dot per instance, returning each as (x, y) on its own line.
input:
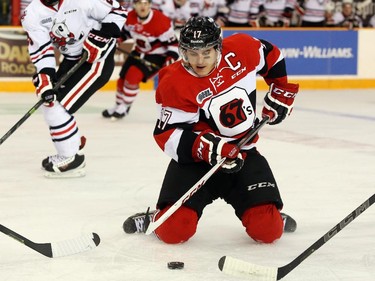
(44, 88)
(211, 148)
(171, 57)
(233, 165)
(278, 102)
(96, 45)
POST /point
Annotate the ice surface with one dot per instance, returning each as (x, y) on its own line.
(322, 156)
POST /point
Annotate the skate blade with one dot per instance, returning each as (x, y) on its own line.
(78, 173)
(115, 119)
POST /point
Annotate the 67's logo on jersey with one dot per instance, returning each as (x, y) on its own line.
(232, 111)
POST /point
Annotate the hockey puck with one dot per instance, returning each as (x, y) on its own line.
(176, 265)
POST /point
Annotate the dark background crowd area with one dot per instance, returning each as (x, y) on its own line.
(359, 14)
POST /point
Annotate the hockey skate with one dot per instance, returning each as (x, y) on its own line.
(116, 112)
(290, 225)
(58, 166)
(138, 223)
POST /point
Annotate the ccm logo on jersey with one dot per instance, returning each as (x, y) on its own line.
(99, 38)
(260, 185)
(238, 73)
(284, 93)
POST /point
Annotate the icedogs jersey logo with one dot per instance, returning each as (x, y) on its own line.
(61, 35)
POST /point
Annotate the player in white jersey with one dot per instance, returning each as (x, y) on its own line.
(201, 121)
(277, 13)
(216, 9)
(347, 16)
(371, 22)
(243, 13)
(23, 5)
(71, 27)
(315, 12)
(179, 11)
(155, 44)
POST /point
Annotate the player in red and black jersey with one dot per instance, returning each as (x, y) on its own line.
(203, 118)
(155, 45)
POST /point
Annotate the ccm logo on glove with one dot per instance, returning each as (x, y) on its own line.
(96, 45)
(98, 38)
(283, 92)
(278, 102)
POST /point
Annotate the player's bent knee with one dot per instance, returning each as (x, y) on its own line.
(179, 227)
(133, 77)
(263, 223)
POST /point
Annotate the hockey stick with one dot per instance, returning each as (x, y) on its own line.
(154, 225)
(57, 249)
(147, 63)
(40, 102)
(255, 272)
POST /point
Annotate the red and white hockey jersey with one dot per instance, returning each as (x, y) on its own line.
(274, 9)
(65, 27)
(178, 14)
(240, 10)
(208, 8)
(315, 10)
(155, 35)
(223, 102)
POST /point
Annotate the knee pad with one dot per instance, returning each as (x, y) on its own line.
(179, 227)
(263, 223)
(133, 76)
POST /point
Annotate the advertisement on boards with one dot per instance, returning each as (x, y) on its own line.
(313, 52)
(14, 56)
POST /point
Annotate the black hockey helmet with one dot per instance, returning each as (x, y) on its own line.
(200, 33)
(49, 2)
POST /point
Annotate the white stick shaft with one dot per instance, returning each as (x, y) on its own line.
(154, 225)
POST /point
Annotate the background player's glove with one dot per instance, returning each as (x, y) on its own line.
(211, 148)
(96, 45)
(124, 35)
(278, 102)
(44, 88)
(171, 57)
(169, 60)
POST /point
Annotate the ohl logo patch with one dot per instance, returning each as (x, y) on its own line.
(205, 94)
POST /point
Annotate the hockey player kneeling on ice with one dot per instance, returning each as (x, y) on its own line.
(72, 27)
(207, 104)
